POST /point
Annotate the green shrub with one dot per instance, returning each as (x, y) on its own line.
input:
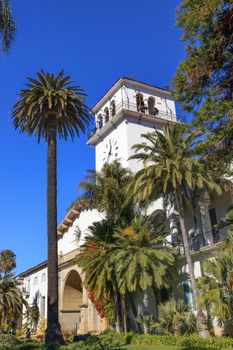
(189, 341)
(7, 341)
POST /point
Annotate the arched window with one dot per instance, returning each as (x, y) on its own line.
(106, 113)
(113, 108)
(151, 106)
(140, 103)
(99, 121)
(35, 281)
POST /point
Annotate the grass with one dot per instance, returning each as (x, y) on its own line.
(151, 347)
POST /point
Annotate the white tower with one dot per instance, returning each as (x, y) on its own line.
(127, 110)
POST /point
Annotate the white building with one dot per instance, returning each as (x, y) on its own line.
(126, 111)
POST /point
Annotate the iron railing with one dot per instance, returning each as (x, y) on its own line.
(133, 107)
(200, 240)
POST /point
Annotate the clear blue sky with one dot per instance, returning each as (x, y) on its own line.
(94, 41)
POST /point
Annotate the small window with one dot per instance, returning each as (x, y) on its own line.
(106, 114)
(43, 277)
(113, 108)
(99, 121)
(35, 281)
(140, 103)
(42, 307)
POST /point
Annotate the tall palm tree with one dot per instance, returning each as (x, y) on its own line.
(106, 191)
(7, 25)
(50, 106)
(171, 170)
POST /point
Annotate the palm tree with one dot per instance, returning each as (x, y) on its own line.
(7, 25)
(7, 263)
(174, 317)
(106, 191)
(96, 258)
(51, 106)
(171, 170)
(142, 259)
(216, 285)
(141, 255)
(11, 300)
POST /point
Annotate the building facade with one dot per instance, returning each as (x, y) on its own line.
(126, 111)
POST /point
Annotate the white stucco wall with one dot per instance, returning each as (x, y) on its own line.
(35, 286)
(69, 240)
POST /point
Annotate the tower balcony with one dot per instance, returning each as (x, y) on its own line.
(134, 110)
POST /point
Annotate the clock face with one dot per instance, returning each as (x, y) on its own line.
(111, 151)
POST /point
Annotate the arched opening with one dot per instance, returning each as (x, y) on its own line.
(113, 108)
(106, 113)
(99, 121)
(151, 106)
(72, 301)
(140, 103)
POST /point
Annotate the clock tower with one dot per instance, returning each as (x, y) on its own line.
(126, 111)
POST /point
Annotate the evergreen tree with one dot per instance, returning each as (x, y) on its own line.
(7, 25)
(204, 79)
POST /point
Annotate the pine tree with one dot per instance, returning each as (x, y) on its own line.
(204, 79)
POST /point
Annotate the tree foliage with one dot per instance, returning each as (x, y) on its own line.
(203, 81)
(216, 285)
(106, 191)
(7, 25)
(51, 96)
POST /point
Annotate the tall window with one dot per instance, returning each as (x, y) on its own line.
(42, 307)
(35, 281)
(140, 103)
(214, 221)
(43, 277)
(99, 121)
(151, 106)
(113, 108)
(106, 113)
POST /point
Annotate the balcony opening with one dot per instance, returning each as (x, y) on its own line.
(151, 106)
(99, 121)
(106, 114)
(113, 108)
(140, 103)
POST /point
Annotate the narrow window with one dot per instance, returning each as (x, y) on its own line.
(106, 113)
(140, 103)
(113, 108)
(99, 121)
(214, 221)
(42, 307)
(43, 277)
(35, 282)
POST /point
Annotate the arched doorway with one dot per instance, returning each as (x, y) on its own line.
(72, 301)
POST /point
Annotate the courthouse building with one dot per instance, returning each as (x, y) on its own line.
(127, 110)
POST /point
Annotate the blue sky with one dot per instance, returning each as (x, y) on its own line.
(95, 42)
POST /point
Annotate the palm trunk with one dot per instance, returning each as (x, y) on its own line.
(201, 321)
(123, 309)
(53, 332)
(118, 312)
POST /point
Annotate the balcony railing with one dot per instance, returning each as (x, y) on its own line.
(153, 111)
(133, 107)
(201, 240)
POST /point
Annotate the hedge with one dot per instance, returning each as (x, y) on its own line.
(187, 341)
